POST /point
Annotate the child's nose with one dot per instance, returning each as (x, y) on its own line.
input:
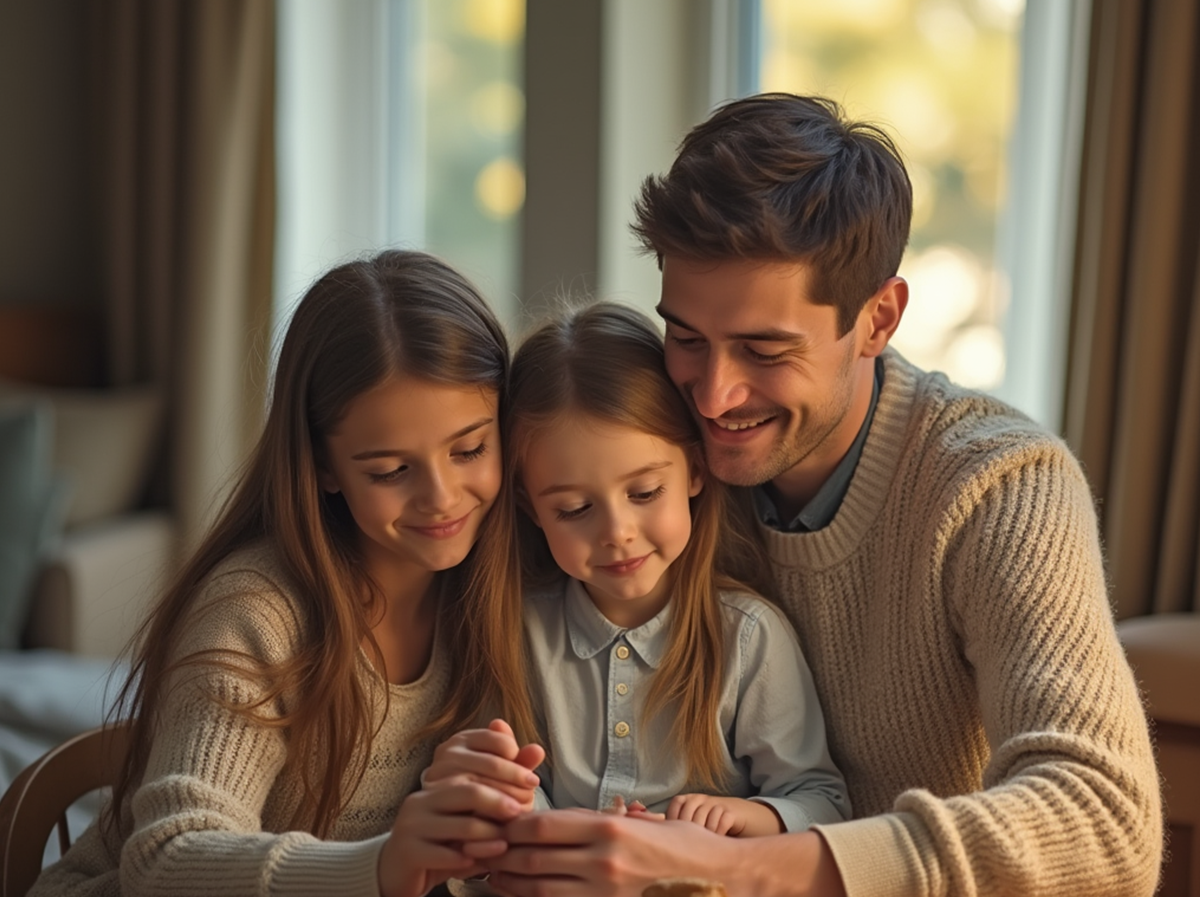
(621, 528)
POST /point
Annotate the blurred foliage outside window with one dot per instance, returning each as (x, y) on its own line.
(474, 112)
(941, 77)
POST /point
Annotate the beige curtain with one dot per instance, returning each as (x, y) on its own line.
(1133, 390)
(184, 114)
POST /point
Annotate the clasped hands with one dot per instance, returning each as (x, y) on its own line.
(478, 782)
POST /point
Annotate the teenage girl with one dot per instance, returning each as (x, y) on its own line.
(289, 687)
(661, 681)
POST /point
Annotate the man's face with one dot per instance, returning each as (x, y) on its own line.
(778, 394)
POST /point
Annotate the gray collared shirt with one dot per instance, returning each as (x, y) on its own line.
(822, 507)
(594, 676)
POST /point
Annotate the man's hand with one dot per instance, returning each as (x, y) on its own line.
(731, 816)
(572, 853)
(490, 757)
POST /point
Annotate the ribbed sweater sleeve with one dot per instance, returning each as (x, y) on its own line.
(959, 630)
(212, 813)
(197, 817)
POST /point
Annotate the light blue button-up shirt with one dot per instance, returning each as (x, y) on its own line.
(594, 677)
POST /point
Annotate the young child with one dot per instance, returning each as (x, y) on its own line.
(662, 682)
(287, 688)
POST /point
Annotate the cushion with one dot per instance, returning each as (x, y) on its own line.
(1164, 651)
(104, 443)
(32, 513)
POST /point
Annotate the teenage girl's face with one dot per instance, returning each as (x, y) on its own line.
(419, 466)
(613, 503)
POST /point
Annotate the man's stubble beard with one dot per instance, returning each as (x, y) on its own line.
(728, 464)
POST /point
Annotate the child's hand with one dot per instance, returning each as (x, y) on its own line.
(731, 816)
(634, 808)
(442, 832)
(490, 757)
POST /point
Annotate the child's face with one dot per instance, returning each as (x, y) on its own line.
(613, 503)
(419, 466)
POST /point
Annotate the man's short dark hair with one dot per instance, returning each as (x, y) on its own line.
(784, 177)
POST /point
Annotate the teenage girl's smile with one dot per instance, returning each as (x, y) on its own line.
(442, 530)
(419, 466)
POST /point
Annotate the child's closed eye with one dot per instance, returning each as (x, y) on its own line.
(571, 513)
(648, 495)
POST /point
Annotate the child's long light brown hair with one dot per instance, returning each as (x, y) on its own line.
(605, 361)
(396, 314)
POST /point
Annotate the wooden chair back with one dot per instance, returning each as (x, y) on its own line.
(38, 799)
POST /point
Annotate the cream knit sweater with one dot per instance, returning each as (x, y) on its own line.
(955, 617)
(212, 810)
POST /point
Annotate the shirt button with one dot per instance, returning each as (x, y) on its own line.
(622, 689)
(622, 652)
(622, 729)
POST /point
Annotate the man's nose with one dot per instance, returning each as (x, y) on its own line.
(720, 387)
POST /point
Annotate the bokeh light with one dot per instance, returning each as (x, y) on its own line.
(941, 77)
(500, 188)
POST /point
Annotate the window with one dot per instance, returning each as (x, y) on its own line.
(399, 125)
(979, 106)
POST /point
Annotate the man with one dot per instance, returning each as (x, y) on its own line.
(935, 549)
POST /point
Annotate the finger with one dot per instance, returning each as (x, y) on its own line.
(522, 795)
(499, 725)
(724, 823)
(482, 765)
(458, 797)
(686, 806)
(484, 850)
(451, 829)
(487, 741)
(531, 756)
(646, 814)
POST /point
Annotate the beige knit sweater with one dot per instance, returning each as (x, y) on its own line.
(212, 810)
(955, 617)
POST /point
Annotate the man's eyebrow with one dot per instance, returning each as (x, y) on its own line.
(395, 453)
(769, 335)
(570, 487)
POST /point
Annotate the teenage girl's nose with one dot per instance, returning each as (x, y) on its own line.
(439, 491)
(719, 386)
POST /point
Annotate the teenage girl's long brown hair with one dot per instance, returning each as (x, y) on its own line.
(605, 361)
(397, 313)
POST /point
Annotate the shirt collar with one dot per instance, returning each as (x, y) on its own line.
(823, 507)
(591, 632)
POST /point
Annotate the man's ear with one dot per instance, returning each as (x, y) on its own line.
(881, 316)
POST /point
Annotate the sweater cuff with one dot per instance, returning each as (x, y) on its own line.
(321, 868)
(880, 856)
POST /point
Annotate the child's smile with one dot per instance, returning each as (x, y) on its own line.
(613, 504)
